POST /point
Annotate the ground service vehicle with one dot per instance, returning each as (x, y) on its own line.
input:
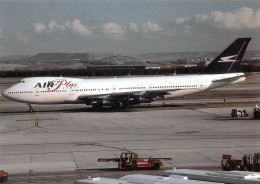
(247, 163)
(3, 176)
(256, 113)
(130, 160)
(239, 113)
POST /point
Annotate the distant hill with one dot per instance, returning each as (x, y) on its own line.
(14, 57)
(186, 55)
(49, 56)
(68, 56)
(96, 56)
(176, 55)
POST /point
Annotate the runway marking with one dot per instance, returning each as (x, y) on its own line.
(174, 137)
(187, 132)
(37, 119)
(72, 153)
(30, 170)
(17, 130)
(135, 150)
(201, 153)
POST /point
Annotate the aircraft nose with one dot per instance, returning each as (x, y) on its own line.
(5, 93)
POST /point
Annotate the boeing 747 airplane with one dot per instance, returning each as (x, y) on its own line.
(129, 91)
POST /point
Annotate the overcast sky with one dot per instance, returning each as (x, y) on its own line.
(125, 26)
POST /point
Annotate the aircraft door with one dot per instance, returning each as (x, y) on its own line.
(150, 86)
(202, 85)
(37, 92)
(114, 89)
(71, 91)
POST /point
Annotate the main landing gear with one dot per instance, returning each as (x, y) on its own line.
(30, 108)
(127, 103)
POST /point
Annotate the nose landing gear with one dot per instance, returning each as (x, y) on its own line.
(30, 108)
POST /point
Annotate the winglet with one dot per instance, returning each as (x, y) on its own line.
(228, 60)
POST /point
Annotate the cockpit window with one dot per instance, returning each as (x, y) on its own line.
(22, 81)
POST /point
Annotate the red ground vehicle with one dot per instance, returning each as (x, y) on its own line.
(3, 176)
(130, 160)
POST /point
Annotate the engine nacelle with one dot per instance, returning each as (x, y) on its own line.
(136, 99)
(101, 102)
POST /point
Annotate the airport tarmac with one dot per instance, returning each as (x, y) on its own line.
(194, 131)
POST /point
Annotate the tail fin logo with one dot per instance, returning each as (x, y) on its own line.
(228, 59)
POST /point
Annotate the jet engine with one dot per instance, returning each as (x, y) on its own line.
(136, 99)
(100, 102)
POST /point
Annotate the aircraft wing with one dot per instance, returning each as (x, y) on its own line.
(121, 95)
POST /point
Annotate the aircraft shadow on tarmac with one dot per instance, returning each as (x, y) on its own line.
(163, 106)
(229, 118)
(112, 169)
(89, 109)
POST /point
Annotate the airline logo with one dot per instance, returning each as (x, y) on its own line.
(228, 59)
(56, 84)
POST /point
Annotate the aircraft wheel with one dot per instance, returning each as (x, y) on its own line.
(30, 108)
(156, 166)
(131, 105)
(97, 106)
(128, 168)
(115, 105)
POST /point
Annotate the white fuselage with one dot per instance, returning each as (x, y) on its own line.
(62, 90)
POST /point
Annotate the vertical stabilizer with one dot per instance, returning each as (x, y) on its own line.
(228, 61)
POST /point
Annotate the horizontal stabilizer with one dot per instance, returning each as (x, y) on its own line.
(231, 79)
